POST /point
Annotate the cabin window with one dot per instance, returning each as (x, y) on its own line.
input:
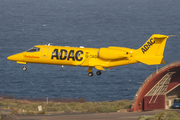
(78, 55)
(33, 49)
(72, 55)
(59, 53)
(65, 54)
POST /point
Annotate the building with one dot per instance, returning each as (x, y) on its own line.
(159, 90)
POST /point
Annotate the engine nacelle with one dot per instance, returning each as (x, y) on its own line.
(111, 54)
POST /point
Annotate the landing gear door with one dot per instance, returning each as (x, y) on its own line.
(45, 52)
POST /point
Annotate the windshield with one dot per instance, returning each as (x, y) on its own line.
(177, 101)
(33, 49)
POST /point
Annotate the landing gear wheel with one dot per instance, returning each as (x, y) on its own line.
(90, 74)
(98, 72)
(24, 68)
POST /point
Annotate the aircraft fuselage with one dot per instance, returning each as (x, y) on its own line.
(150, 53)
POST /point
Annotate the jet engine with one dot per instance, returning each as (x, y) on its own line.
(111, 54)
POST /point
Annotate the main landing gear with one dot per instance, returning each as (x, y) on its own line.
(98, 72)
(90, 74)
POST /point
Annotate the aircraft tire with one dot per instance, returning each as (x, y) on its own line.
(90, 74)
(24, 68)
(98, 72)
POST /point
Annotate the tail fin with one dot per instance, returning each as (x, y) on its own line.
(151, 53)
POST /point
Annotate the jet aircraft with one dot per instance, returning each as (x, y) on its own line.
(151, 53)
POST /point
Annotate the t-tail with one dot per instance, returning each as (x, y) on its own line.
(151, 53)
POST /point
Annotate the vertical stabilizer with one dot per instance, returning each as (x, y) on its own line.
(151, 52)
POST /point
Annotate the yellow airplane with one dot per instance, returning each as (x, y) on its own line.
(151, 53)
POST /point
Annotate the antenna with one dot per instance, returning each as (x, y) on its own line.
(49, 44)
(156, 68)
(173, 35)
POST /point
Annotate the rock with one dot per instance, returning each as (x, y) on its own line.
(122, 110)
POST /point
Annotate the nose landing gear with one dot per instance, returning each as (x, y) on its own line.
(24, 68)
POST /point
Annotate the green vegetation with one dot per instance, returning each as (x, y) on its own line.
(19, 107)
(166, 115)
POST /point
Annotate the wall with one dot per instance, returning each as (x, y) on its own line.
(152, 103)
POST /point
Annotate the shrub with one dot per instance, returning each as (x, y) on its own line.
(16, 106)
(106, 103)
(102, 109)
(91, 109)
(68, 111)
(2, 103)
(14, 112)
(166, 115)
(146, 118)
(50, 104)
(87, 105)
(42, 112)
(29, 113)
(75, 106)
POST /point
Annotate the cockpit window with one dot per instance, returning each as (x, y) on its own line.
(33, 49)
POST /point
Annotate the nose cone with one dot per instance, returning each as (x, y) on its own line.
(16, 57)
(12, 57)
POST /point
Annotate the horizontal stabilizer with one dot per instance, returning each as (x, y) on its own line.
(151, 60)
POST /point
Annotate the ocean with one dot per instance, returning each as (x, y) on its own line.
(93, 23)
